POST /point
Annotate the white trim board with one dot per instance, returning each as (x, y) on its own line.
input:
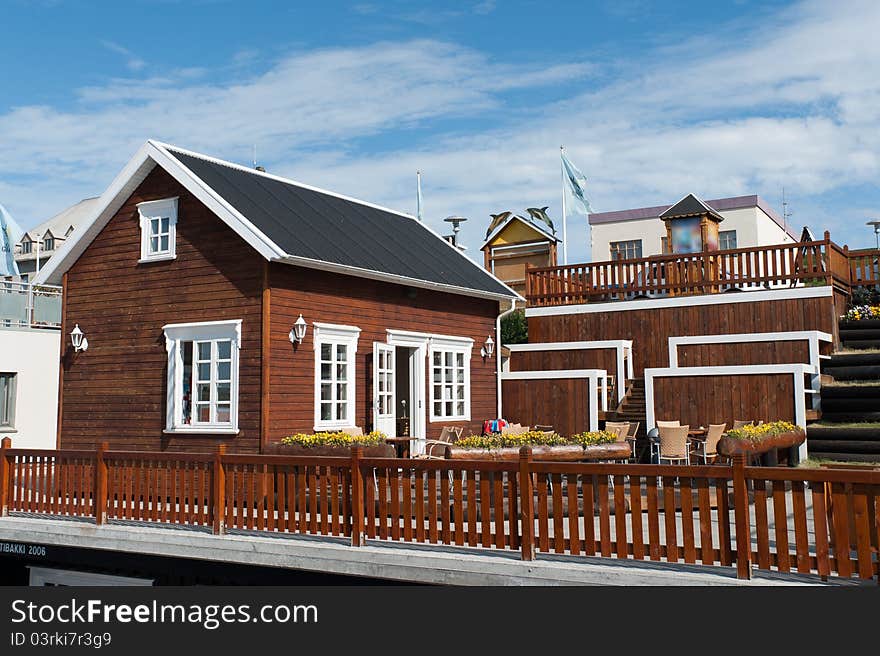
(683, 301)
(622, 347)
(598, 385)
(797, 371)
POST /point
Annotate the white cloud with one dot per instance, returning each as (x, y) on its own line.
(791, 100)
(133, 62)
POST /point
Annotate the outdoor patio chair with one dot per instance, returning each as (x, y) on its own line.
(631, 438)
(673, 444)
(436, 449)
(707, 447)
(739, 423)
(668, 424)
(355, 431)
(514, 429)
(620, 428)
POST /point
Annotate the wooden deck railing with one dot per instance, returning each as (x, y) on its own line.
(820, 262)
(822, 521)
(864, 267)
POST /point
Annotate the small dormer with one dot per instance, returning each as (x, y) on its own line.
(691, 226)
(49, 241)
(27, 245)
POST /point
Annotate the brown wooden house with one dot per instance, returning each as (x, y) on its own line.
(191, 281)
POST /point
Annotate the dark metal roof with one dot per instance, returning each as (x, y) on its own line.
(690, 205)
(323, 227)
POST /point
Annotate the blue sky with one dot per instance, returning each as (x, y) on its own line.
(651, 100)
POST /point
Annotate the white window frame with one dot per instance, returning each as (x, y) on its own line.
(454, 345)
(175, 335)
(9, 427)
(158, 209)
(336, 334)
(727, 235)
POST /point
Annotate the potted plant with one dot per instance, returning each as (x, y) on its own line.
(602, 445)
(328, 443)
(751, 440)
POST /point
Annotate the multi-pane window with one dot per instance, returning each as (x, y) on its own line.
(727, 239)
(207, 384)
(26, 246)
(385, 382)
(203, 377)
(626, 250)
(450, 380)
(335, 348)
(7, 400)
(664, 245)
(49, 244)
(158, 229)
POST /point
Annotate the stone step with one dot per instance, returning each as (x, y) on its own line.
(834, 455)
(851, 360)
(854, 372)
(851, 392)
(860, 343)
(849, 405)
(846, 416)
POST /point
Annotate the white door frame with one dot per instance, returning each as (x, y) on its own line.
(385, 423)
(417, 381)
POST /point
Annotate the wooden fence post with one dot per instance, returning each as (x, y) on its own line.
(5, 445)
(741, 518)
(357, 497)
(101, 484)
(218, 490)
(527, 504)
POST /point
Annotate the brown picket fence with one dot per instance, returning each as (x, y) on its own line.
(808, 521)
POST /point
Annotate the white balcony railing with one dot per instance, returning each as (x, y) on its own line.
(25, 305)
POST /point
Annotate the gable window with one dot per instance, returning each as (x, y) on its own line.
(450, 360)
(158, 219)
(335, 348)
(49, 243)
(7, 401)
(202, 385)
(626, 250)
(727, 239)
(26, 246)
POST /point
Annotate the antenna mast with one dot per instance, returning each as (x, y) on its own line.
(785, 212)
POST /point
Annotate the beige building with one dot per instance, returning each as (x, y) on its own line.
(747, 221)
(40, 243)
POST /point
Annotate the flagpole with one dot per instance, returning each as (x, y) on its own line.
(419, 195)
(564, 235)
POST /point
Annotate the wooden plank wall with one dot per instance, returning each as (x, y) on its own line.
(717, 355)
(374, 307)
(553, 360)
(115, 391)
(650, 328)
(562, 403)
(701, 400)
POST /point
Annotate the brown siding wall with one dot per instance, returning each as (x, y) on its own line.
(553, 360)
(374, 307)
(650, 328)
(563, 403)
(115, 391)
(702, 400)
(716, 355)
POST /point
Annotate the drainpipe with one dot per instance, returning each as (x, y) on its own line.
(498, 354)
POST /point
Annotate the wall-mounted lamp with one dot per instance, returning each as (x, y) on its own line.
(298, 332)
(78, 339)
(488, 348)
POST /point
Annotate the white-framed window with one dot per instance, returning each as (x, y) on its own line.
(7, 401)
(626, 250)
(335, 349)
(26, 245)
(450, 362)
(202, 392)
(49, 243)
(158, 219)
(726, 239)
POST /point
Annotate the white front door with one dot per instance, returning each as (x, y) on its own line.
(383, 389)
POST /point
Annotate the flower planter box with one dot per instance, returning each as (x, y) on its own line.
(729, 446)
(370, 451)
(566, 453)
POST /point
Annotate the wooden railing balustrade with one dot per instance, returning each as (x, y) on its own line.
(820, 262)
(809, 521)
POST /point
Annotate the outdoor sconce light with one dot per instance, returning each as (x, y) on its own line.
(298, 332)
(78, 339)
(487, 350)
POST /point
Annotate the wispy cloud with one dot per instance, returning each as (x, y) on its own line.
(791, 101)
(133, 62)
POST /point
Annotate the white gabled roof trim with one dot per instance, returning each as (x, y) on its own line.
(155, 153)
(523, 220)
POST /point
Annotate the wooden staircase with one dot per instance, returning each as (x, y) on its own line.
(632, 408)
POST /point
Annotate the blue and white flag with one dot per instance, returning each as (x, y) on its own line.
(577, 183)
(10, 234)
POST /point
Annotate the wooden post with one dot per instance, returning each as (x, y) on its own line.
(741, 518)
(357, 497)
(218, 489)
(5, 445)
(528, 283)
(527, 504)
(100, 484)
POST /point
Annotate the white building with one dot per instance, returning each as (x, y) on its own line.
(747, 221)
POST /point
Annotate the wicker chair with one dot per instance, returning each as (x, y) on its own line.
(631, 438)
(620, 428)
(739, 423)
(708, 448)
(673, 444)
(436, 449)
